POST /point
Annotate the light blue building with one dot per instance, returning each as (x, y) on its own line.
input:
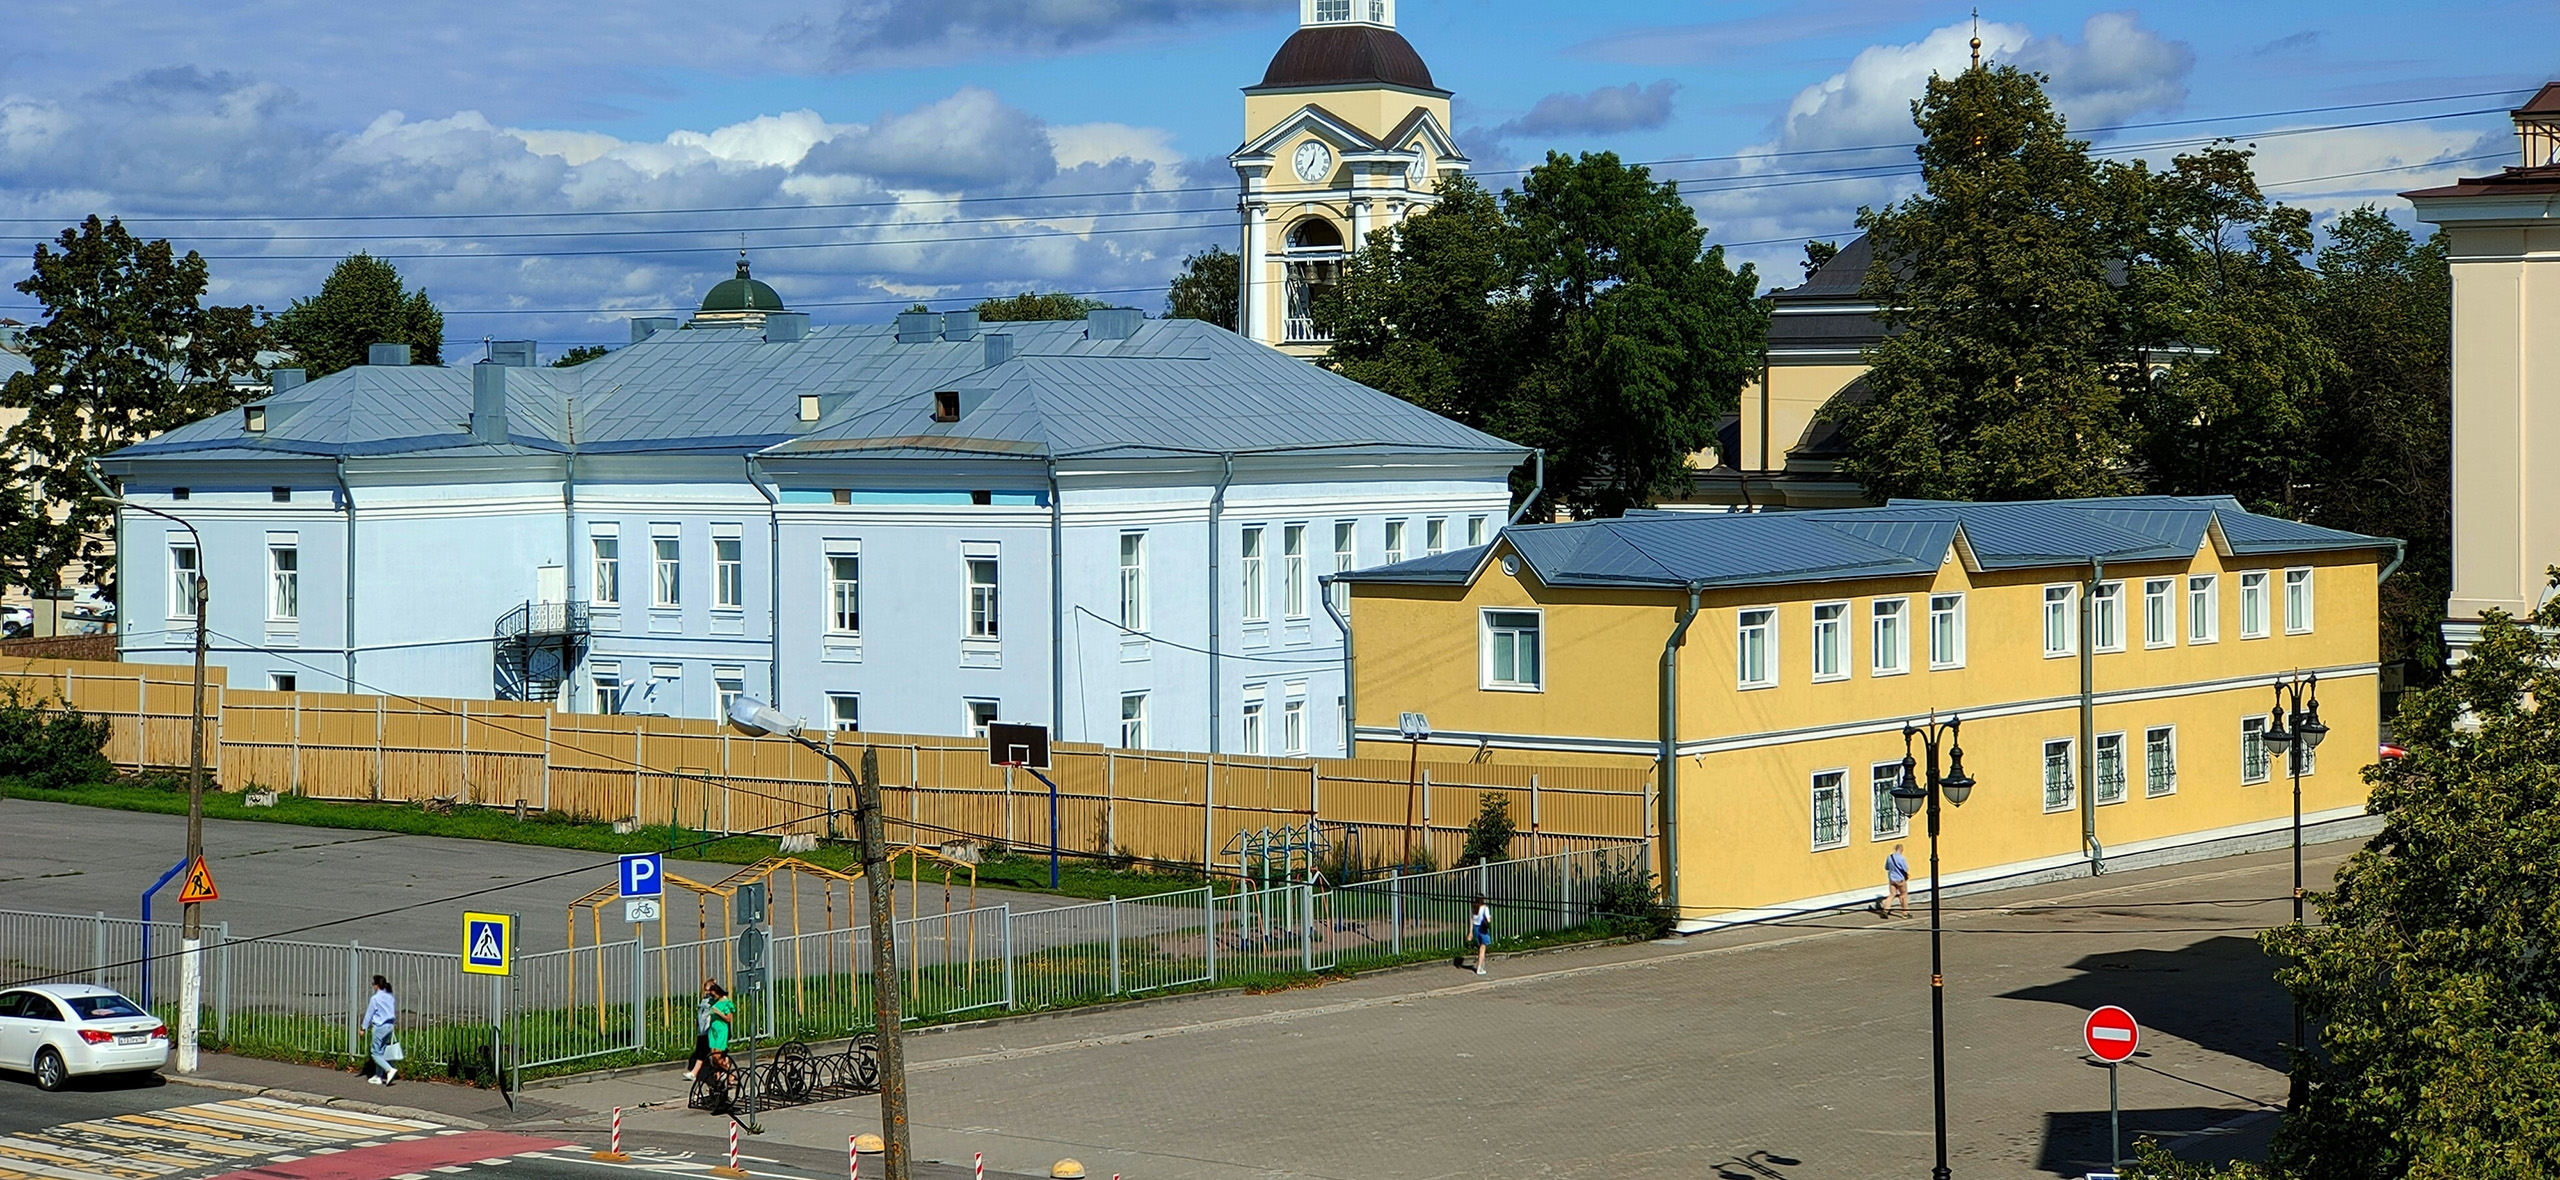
(1114, 526)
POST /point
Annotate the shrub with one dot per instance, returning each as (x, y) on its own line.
(50, 747)
(1626, 900)
(1489, 834)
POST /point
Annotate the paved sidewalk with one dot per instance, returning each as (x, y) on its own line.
(440, 1102)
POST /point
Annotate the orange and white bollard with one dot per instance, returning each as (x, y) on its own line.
(613, 1154)
(853, 1154)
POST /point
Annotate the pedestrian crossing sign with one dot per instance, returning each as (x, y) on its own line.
(488, 943)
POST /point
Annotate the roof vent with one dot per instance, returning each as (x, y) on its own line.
(515, 354)
(489, 402)
(999, 348)
(918, 327)
(253, 419)
(946, 405)
(387, 354)
(808, 407)
(643, 327)
(280, 380)
(786, 327)
(959, 325)
(1113, 323)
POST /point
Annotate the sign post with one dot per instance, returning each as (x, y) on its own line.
(754, 941)
(2112, 1037)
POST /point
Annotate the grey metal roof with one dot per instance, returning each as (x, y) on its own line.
(1174, 387)
(1905, 538)
(12, 364)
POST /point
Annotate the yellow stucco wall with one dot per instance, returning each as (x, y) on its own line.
(1375, 109)
(1749, 754)
(2506, 365)
(1796, 394)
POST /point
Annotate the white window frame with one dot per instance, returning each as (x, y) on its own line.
(184, 574)
(1293, 718)
(1836, 629)
(1888, 635)
(1435, 536)
(2098, 766)
(666, 570)
(1133, 581)
(727, 685)
(1133, 720)
(2159, 761)
(1253, 605)
(1488, 647)
(2061, 622)
(2299, 583)
(1395, 541)
(971, 718)
(604, 683)
(2107, 609)
(844, 712)
(1476, 531)
(2064, 796)
(728, 570)
(1755, 630)
(2253, 747)
(1250, 733)
(981, 602)
(604, 566)
(1833, 784)
(1886, 821)
(844, 592)
(284, 578)
(2204, 609)
(1346, 545)
(1950, 607)
(1293, 571)
(2159, 612)
(281, 681)
(2253, 591)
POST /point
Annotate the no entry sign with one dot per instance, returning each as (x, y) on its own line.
(2111, 1034)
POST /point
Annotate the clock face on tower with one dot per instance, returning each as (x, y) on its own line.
(1313, 161)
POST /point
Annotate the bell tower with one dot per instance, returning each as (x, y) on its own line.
(1345, 135)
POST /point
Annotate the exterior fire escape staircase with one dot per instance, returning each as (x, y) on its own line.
(538, 644)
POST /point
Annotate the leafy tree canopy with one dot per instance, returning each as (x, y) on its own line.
(362, 303)
(1205, 290)
(127, 350)
(579, 355)
(1583, 314)
(1817, 253)
(1057, 305)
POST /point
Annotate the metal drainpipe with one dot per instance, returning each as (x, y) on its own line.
(772, 583)
(1217, 511)
(1536, 489)
(350, 570)
(1057, 607)
(2399, 553)
(1667, 801)
(2096, 851)
(568, 542)
(1350, 687)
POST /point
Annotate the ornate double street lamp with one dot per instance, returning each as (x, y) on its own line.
(1909, 796)
(2293, 728)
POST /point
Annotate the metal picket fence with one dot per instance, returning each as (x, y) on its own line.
(307, 999)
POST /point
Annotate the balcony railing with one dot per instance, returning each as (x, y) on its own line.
(1302, 330)
(537, 620)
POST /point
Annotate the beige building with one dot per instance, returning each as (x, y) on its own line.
(2505, 251)
(1779, 450)
(1346, 134)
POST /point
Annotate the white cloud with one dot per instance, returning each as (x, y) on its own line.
(1607, 110)
(867, 33)
(969, 140)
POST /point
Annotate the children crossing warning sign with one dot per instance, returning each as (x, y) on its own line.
(488, 943)
(199, 886)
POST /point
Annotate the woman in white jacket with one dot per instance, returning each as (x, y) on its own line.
(379, 1013)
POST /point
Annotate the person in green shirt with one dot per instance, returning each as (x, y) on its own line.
(713, 1014)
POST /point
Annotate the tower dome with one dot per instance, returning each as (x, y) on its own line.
(1346, 55)
(741, 302)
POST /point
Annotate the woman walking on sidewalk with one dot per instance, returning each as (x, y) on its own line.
(1480, 931)
(710, 1028)
(383, 1048)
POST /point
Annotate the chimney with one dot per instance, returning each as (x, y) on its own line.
(786, 327)
(999, 348)
(1113, 323)
(643, 327)
(958, 326)
(917, 327)
(387, 354)
(489, 401)
(516, 354)
(280, 380)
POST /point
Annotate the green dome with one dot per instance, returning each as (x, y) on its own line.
(742, 294)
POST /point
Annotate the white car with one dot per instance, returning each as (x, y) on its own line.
(58, 1031)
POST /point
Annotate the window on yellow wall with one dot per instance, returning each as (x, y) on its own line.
(2107, 607)
(1512, 652)
(2109, 779)
(1888, 636)
(2204, 610)
(2060, 637)
(2253, 749)
(1756, 648)
(1830, 809)
(1946, 630)
(2159, 617)
(2059, 788)
(1885, 821)
(2253, 604)
(1827, 651)
(2160, 761)
(2297, 602)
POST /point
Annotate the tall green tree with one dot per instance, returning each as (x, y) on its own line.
(362, 303)
(1056, 305)
(579, 355)
(1206, 289)
(2004, 375)
(127, 349)
(1583, 314)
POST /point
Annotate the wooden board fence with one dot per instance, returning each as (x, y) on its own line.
(1154, 805)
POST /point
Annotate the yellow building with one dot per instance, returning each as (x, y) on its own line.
(1344, 135)
(2111, 661)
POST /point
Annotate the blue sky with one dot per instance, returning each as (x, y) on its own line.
(977, 146)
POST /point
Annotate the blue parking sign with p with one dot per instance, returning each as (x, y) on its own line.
(643, 875)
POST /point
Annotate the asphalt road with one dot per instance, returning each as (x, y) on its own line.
(25, 1108)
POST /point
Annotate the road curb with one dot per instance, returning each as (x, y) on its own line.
(307, 1098)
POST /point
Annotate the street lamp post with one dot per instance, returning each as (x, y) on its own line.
(2294, 728)
(191, 934)
(757, 718)
(1910, 795)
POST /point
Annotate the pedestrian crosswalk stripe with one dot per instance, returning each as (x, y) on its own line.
(195, 1138)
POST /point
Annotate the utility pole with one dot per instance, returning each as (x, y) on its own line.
(884, 966)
